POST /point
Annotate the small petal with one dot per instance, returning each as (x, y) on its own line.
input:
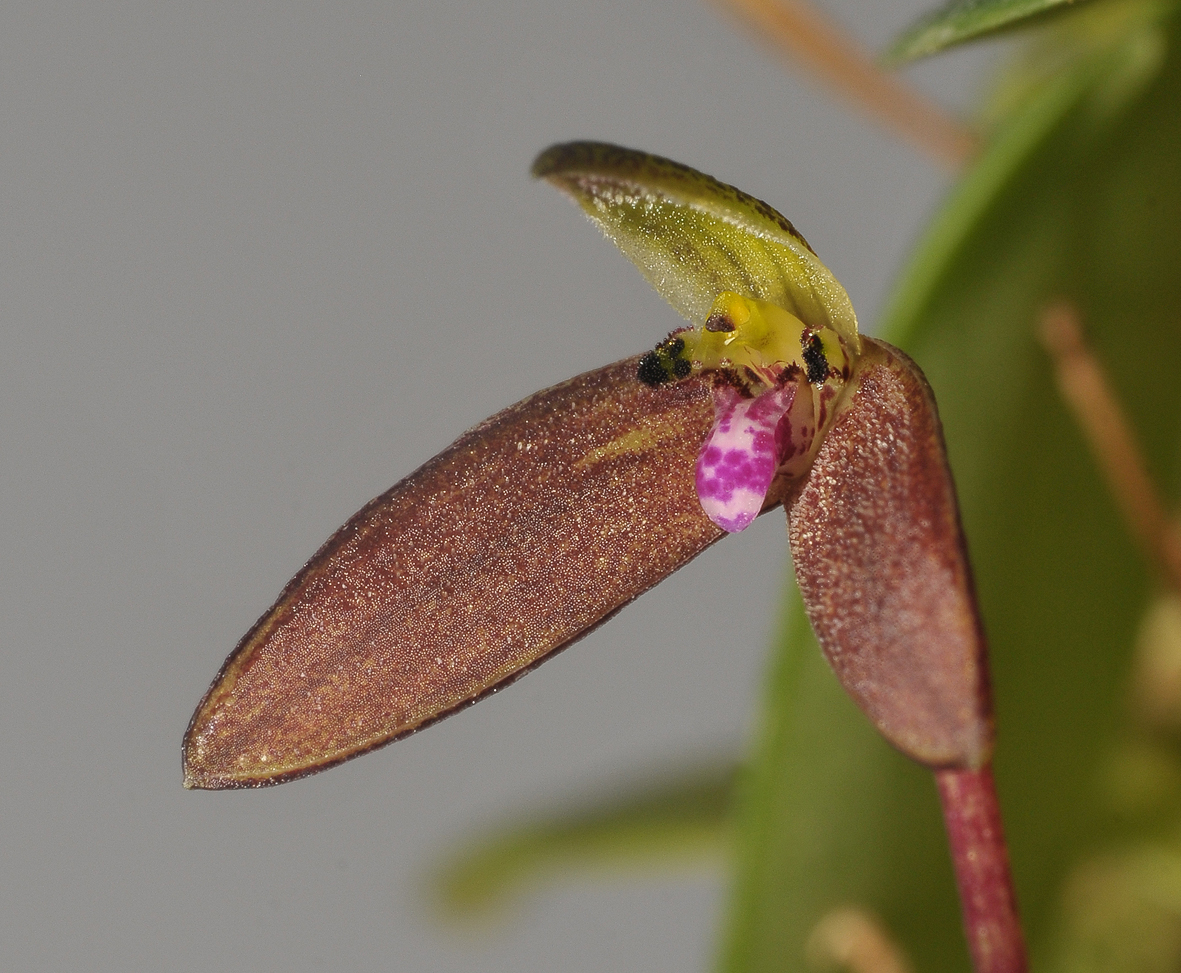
(738, 460)
(795, 435)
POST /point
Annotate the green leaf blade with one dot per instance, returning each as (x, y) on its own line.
(961, 21)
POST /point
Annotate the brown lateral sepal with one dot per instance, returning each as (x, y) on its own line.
(881, 562)
(519, 538)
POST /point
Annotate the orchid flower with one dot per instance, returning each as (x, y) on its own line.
(776, 334)
(540, 523)
(776, 383)
(543, 521)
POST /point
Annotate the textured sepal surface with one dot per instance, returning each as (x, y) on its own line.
(881, 562)
(523, 535)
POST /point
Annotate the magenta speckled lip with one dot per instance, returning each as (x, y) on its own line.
(737, 462)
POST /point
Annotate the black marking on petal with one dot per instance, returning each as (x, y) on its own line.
(665, 364)
(718, 322)
(652, 371)
(814, 358)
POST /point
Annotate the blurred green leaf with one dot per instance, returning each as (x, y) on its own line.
(1076, 198)
(667, 822)
(965, 20)
(832, 816)
(1123, 913)
(1091, 35)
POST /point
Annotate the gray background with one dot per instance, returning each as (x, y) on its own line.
(261, 260)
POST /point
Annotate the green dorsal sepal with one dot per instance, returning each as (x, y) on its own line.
(694, 237)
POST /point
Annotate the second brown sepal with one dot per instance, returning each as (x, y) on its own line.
(882, 565)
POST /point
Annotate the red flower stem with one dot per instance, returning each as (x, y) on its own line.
(981, 861)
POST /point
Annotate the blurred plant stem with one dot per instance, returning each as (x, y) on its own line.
(826, 52)
(1104, 424)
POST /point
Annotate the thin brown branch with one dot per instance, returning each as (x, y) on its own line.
(799, 30)
(973, 819)
(1087, 391)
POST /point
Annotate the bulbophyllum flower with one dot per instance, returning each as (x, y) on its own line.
(775, 385)
(540, 523)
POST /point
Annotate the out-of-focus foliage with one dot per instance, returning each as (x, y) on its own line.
(1077, 197)
(684, 819)
(965, 20)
